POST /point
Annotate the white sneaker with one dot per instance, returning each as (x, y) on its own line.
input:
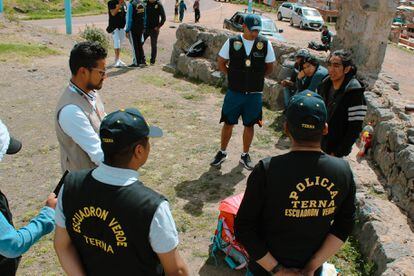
(116, 64)
(121, 63)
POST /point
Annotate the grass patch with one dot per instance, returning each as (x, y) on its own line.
(40, 9)
(13, 51)
(350, 261)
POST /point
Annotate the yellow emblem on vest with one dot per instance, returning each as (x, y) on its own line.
(259, 45)
(248, 62)
(237, 45)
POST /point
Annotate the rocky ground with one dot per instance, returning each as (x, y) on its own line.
(178, 166)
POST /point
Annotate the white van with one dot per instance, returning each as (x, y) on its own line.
(307, 18)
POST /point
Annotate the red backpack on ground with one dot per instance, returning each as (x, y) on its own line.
(224, 239)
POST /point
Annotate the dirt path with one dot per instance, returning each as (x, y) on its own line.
(178, 165)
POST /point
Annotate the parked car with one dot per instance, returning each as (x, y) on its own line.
(285, 11)
(307, 18)
(269, 28)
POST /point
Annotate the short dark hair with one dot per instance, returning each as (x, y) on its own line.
(312, 60)
(86, 54)
(346, 59)
(121, 158)
(301, 136)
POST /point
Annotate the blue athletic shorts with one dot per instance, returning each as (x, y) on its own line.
(246, 105)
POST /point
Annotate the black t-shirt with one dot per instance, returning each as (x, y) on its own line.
(290, 208)
(119, 20)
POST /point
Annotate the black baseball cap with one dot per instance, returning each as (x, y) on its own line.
(306, 113)
(124, 127)
(253, 22)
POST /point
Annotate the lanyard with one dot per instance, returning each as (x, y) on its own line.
(87, 97)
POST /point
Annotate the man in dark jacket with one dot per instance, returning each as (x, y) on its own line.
(344, 97)
(298, 208)
(135, 31)
(312, 74)
(289, 84)
(155, 18)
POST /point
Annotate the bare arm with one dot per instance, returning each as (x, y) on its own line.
(330, 246)
(221, 63)
(173, 264)
(268, 262)
(268, 69)
(67, 254)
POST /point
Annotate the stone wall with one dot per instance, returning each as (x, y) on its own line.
(205, 68)
(385, 235)
(363, 27)
(393, 145)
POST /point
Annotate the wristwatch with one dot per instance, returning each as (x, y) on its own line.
(276, 269)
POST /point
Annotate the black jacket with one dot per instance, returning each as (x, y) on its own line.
(346, 113)
(291, 203)
(155, 15)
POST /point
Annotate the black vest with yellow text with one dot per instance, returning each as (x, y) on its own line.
(8, 266)
(109, 225)
(246, 73)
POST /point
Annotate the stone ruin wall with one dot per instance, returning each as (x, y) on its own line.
(389, 245)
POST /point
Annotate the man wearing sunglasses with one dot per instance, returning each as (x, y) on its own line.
(343, 94)
(80, 110)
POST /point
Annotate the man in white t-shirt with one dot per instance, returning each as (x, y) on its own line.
(246, 59)
(108, 222)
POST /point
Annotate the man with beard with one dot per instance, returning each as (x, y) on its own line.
(80, 110)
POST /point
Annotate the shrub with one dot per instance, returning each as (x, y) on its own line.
(92, 33)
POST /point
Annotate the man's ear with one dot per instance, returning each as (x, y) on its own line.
(285, 128)
(325, 129)
(347, 69)
(138, 150)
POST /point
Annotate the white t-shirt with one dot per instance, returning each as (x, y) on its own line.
(163, 235)
(248, 45)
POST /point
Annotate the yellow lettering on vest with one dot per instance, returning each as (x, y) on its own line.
(81, 215)
(330, 186)
(119, 233)
(86, 211)
(322, 203)
(328, 211)
(331, 204)
(301, 187)
(113, 222)
(324, 182)
(333, 194)
(295, 204)
(294, 195)
(312, 204)
(305, 204)
(317, 180)
(309, 183)
(92, 209)
(99, 243)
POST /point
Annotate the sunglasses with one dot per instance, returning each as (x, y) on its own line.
(101, 72)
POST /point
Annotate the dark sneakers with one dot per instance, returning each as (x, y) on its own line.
(246, 162)
(218, 159)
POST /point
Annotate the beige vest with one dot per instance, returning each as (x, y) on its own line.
(72, 156)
